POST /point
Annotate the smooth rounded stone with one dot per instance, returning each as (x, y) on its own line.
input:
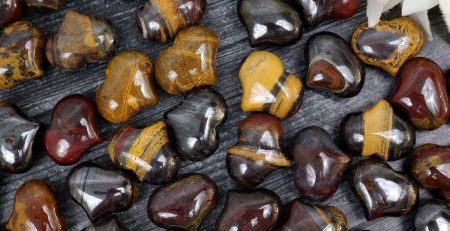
(433, 216)
(146, 152)
(10, 11)
(72, 131)
(257, 210)
(389, 44)
(445, 193)
(99, 191)
(35, 209)
(320, 164)
(315, 218)
(333, 66)
(266, 87)
(378, 131)
(257, 152)
(343, 9)
(17, 140)
(128, 87)
(80, 40)
(110, 224)
(21, 51)
(381, 190)
(270, 22)
(45, 5)
(194, 123)
(317, 11)
(430, 166)
(183, 204)
(190, 62)
(421, 94)
(160, 20)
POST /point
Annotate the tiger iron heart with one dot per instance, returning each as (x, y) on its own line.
(378, 131)
(389, 44)
(317, 11)
(190, 62)
(110, 224)
(35, 209)
(45, 5)
(433, 216)
(266, 87)
(10, 11)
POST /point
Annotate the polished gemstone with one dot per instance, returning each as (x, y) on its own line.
(110, 224)
(343, 9)
(317, 11)
(45, 5)
(433, 216)
(10, 11)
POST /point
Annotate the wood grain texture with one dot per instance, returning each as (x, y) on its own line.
(37, 97)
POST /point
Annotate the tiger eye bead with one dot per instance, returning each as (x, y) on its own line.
(10, 11)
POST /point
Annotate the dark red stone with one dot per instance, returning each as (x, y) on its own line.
(343, 9)
(10, 11)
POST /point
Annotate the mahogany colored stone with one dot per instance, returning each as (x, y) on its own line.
(433, 216)
(257, 210)
(183, 204)
(317, 11)
(343, 9)
(257, 152)
(333, 66)
(445, 193)
(320, 164)
(45, 5)
(99, 191)
(72, 131)
(430, 166)
(10, 11)
(110, 224)
(383, 191)
(421, 94)
(270, 22)
(314, 218)
(35, 209)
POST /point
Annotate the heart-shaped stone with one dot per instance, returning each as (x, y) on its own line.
(383, 191)
(10, 11)
(128, 87)
(257, 152)
(445, 193)
(35, 208)
(320, 164)
(389, 44)
(270, 22)
(190, 62)
(79, 40)
(266, 87)
(257, 210)
(100, 191)
(378, 131)
(146, 152)
(433, 216)
(333, 66)
(183, 204)
(161, 20)
(421, 94)
(194, 123)
(21, 48)
(317, 11)
(110, 224)
(45, 5)
(72, 131)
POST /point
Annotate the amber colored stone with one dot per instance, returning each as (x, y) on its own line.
(190, 62)
(317, 11)
(10, 11)
(378, 131)
(110, 224)
(183, 204)
(257, 152)
(389, 44)
(72, 131)
(35, 209)
(160, 20)
(45, 5)
(421, 94)
(433, 216)
(21, 50)
(128, 87)
(79, 40)
(266, 87)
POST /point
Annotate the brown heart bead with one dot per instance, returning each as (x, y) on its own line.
(421, 94)
(111, 224)
(35, 208)
(389, 44)
(10, 11)
(21, 48)
(160, 20)
(317, 11)
(79, 40)
(128, 87)
(183, 204)
(45, 5)
(190, 62)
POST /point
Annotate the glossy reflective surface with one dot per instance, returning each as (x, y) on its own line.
(433, 216)
(257, 152)
(257, 210)
(110, 224)
(146, 152)
(45, 5)
(266, 87)
(378, 131)
(343, 9)
(160, 20)
(421, 94)
(194, 123)
(72, 131)
(430, 166)
(317, 11)
(270, 22)
(10, 11)
(320, 164)
(183, 204)
(79, 40)
(190, 62)
(128, 87)
(381, 190)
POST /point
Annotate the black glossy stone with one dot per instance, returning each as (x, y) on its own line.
(315, 11)
(378, 44)
(109, 224)
(433, 216)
